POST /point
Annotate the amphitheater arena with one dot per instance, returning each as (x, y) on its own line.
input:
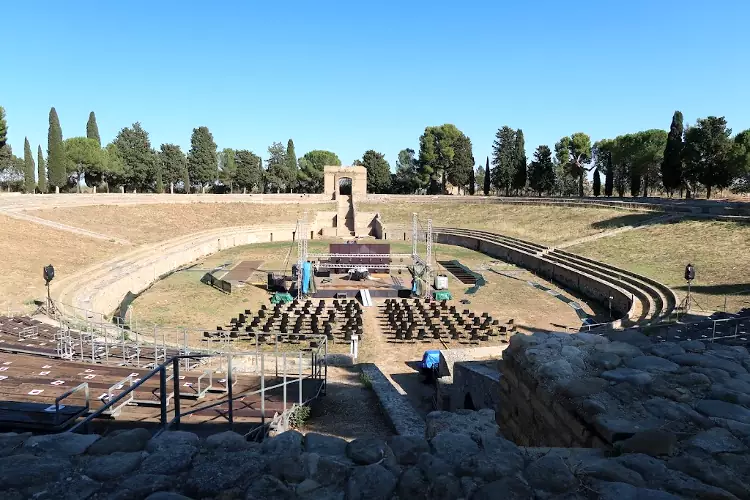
(635, 408)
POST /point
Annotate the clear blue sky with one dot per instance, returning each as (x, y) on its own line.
(352, 76)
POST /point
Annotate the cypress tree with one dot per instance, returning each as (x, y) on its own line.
(597, 183)
(55, 152)
(3, 128)
(472, 182)
(159, 182)
(519, 176)
(92, 129)
(41, 171)
(203, 164)
(486, 186)
(290, 169)
(29, 184)
(609, 177)
(186, 180)
(672, 164)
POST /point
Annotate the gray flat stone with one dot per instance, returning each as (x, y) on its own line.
(558, 369)
(366, 451)
(550, 474)
(412, 484)
(169, 460)
(124, 441)
(617, 429)
(717, 440)
(605, 360)
(289, 468)
(268, 488)
(491, 466)
(710, 472)
(693, 380)
(584, 387)
(166, 495)
(666, 349)
(453, 448)
(676, 412)
(407, 449)
(654, 442)
(65, 444)
(621, 349)
(73, 487)
(327, 469)
(738, 429)
(141, 485)
(21, 471)
(371, 482)
(611, 470)
(324, 445)
(630, 336)
(172, 438)
(630, 375)
(652, 364)
(693, 346)
(622, 491)
(227, 441)
(708, 361)
(512, 488)
(286, 443)
(474, 423)
(11, 442)
(112, 466)
(722, 409)
(213, 473)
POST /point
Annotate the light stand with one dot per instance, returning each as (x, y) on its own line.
(49, 275)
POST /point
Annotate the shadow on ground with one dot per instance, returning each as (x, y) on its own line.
(636, 219)
(725, 289)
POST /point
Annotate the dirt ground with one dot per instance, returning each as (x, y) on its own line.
(349, 410)
(151, 223)
(26, 248)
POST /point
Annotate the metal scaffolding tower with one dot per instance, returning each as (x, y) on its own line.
(301, 235)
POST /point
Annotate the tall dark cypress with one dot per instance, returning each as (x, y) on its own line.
(55, 152)
(41, 171)
(609, 177)
(597, 183)
(672, 165)
(519, 176)
(29, 184)
(487, 177)
(92, 129)
(472, 182)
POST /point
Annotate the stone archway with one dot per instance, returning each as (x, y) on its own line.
(334, 175)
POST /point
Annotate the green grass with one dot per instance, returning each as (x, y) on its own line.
(720, 252)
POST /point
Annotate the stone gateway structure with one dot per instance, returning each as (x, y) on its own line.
(342, 180)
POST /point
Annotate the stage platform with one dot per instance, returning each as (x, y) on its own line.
(380, 285)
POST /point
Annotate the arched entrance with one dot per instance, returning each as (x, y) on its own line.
(469, 402)
(345, 186)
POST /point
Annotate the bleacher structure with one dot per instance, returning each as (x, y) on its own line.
(54, 378)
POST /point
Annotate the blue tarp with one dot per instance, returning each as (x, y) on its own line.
(306, 273)
(430, 359)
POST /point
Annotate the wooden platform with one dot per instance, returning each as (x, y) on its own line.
(243, 270)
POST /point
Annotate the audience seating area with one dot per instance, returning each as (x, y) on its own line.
(295, 322)
(413, 320)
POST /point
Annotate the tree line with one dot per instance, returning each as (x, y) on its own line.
(688, 160)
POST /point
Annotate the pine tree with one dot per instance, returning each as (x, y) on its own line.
(55, 153)
(672, 164)
(542, 171)
(378, 172)
(597, 183)
(203, 165)
(487, 176)
(29, 184)
(291, 169)
(609, 178)
(138, 158)
(519, 176)
(41, 171)
(92, 129)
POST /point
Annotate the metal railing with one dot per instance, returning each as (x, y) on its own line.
(318, 371)
(84, 386)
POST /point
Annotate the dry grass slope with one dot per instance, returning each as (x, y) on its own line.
(27, 247)
(541, 224)
(720, 252)
(152, 223)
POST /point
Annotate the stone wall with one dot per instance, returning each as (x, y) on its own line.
(461, 455)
